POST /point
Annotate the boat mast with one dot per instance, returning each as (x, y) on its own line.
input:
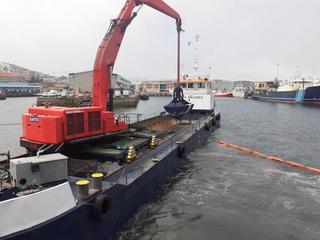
(196, 48)
(278, 66)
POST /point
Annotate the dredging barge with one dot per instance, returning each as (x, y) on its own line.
(86, 170)
(62, 209)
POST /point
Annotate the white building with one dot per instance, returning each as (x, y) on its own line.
(84, 82)
(157, 87)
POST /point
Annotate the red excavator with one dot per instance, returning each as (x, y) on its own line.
(48, 128)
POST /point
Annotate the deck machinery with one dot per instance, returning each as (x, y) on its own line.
(50, 127)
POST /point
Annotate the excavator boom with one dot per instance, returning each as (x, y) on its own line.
(49, 128)
(109, 47)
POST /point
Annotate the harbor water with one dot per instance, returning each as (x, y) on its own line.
(221, 193)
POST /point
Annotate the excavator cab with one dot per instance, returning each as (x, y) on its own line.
(178, 106)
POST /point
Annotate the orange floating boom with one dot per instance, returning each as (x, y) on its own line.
(258, 154)
(272, 158)
(312, 169)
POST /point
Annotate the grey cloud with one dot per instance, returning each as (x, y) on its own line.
(240, 39)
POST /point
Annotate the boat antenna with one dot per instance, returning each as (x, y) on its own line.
(278, 66)
(196, 60)
(210, 68)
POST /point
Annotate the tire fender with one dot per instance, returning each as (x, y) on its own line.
(101, 207)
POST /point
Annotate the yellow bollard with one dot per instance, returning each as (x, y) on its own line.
(154, 142)
(97, 181)
(82, 189)
(131, 154)
(155, 159)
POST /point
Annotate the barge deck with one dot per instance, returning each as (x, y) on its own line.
(125, 184)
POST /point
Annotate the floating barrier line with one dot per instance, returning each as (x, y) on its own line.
(272, 158)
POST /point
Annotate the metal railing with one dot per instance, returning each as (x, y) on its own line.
(136, 118)
(169, 144)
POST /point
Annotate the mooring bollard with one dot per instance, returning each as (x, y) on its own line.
(82, 189)
(97, 181)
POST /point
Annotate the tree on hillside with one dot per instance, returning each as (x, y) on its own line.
(34, 79)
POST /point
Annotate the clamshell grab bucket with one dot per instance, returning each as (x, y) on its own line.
(178, 106)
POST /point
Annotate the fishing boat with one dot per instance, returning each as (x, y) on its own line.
(199, 92)
(296, 91)
(223, 94)
(240, 92)
(144, 95)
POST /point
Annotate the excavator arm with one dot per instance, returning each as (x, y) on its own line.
(49, 128)
(110, 45)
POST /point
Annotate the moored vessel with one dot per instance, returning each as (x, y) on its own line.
(223, 94)
(198, 91)
(296, 91)
(240, 92)
(144, 95)
(2, 94)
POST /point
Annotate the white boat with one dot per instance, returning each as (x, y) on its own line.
(51, 93)
(45, 94)
(240, 92)
(199, 92)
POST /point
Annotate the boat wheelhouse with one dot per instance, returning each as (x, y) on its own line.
(198, 91)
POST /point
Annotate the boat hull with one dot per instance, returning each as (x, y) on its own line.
(126, 194)
(3, 95)
(311, 96)
(223, 95)
(238, 94)
(144, 97)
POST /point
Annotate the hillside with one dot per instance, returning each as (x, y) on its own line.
(11, 72)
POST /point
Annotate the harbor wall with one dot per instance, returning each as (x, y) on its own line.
(74, 101)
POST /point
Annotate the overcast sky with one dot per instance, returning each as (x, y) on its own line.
(240, 39)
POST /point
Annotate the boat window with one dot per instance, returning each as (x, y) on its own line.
(202, 85)
(184, 85)
(190, 85)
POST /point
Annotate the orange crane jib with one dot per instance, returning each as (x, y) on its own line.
(56, 125)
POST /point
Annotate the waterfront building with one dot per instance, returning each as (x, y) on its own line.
(20, 89)
(160, 87)
(243, 83)
(83, 82)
